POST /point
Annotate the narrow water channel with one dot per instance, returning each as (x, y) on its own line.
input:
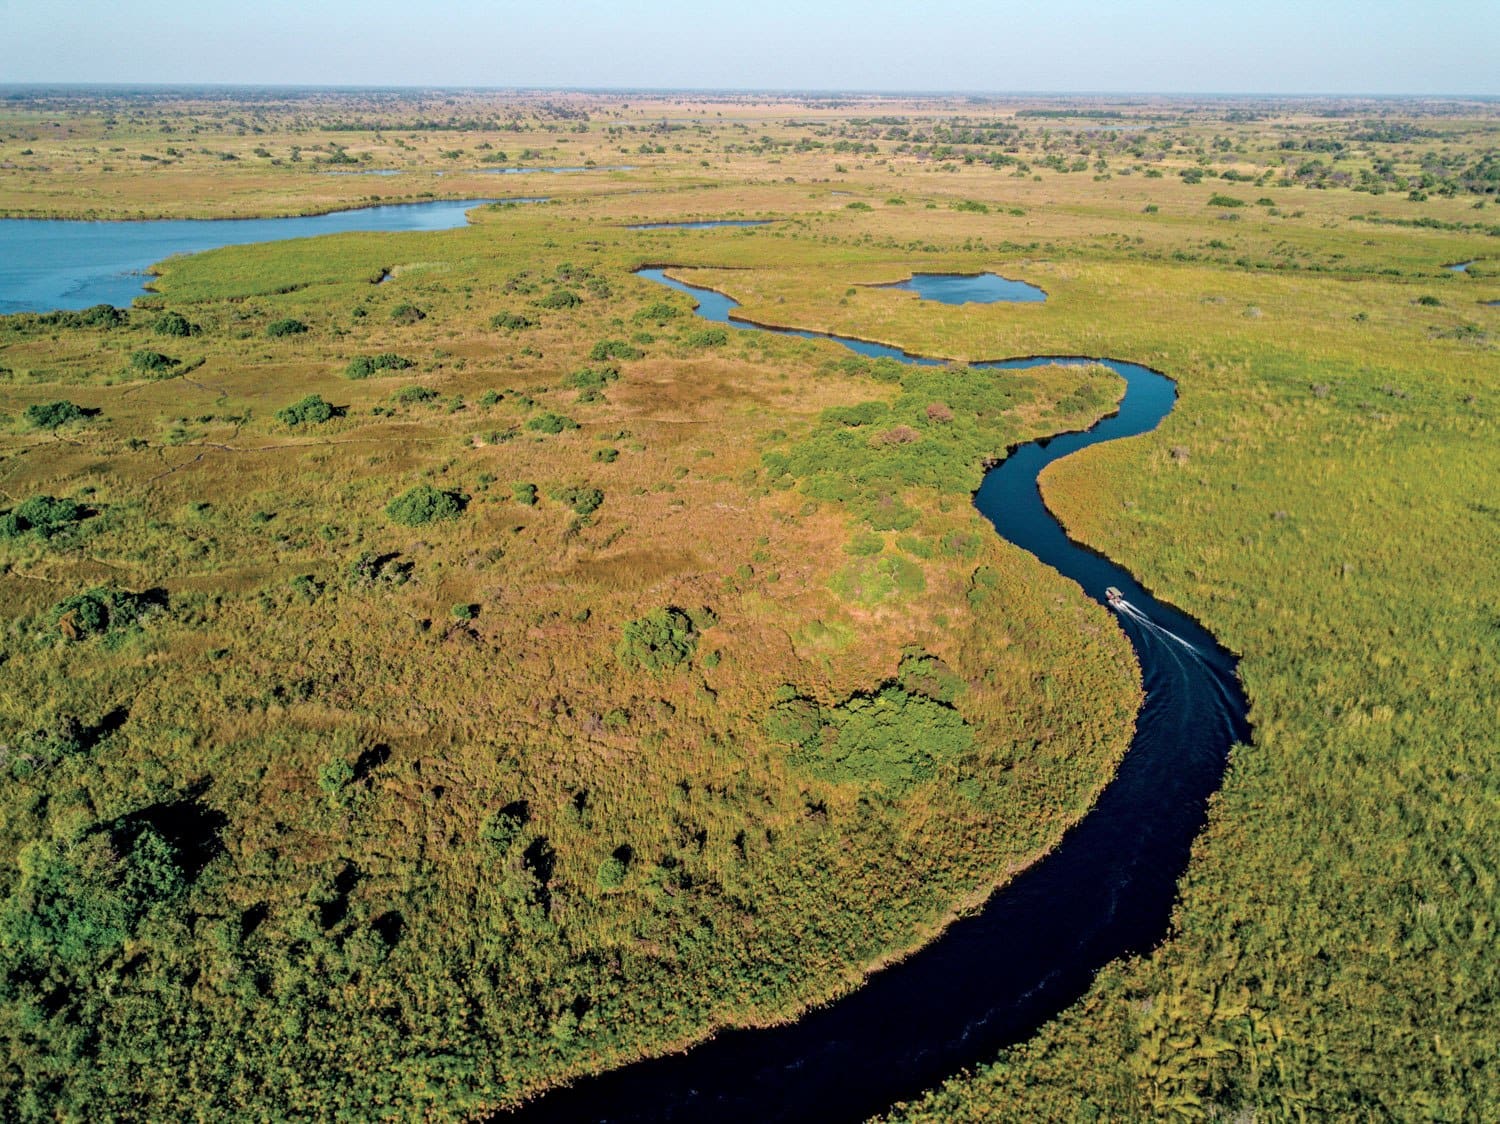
(991, 979)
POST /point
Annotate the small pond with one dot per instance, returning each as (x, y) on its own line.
(968, 288)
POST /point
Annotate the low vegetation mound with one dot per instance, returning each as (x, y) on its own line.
(364, 366)
(426, 504)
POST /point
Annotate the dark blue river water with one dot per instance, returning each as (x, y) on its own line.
(991, 979)
(48, 264)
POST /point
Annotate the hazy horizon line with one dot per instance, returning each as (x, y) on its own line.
(95, 84)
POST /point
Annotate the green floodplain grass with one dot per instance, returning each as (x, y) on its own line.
(449, 858)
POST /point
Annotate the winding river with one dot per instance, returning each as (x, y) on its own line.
(993, 978)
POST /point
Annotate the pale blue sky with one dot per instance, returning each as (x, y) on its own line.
(1259, 46)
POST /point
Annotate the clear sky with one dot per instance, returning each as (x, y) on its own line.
(1168, 46)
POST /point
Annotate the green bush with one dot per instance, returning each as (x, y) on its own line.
(152, 362)
(612, 873)
(407, 313)
(524, 494)
(50, 415)
(893, 738)
(658, 312)
(614, 349)
(585, 501)
(425, 504)
(310, 410)
(511, 321)
(97, 316)
(174, 324)
(43, 516)
(560, 298)
(659, 641)
(589, 378)
(1217, 200)
(277, 329)
(363, 366)
(98, 611)
(551, 423)
(410, 395)
(706, 337)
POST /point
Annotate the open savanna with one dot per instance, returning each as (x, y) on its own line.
(359, 813)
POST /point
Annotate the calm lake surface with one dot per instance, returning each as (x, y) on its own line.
(965, 288)
(993, 978)
(48, 264)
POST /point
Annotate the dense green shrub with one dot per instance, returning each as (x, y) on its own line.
(551, 423)
(310, 410)
(97, 316)
(407, 313)
(426, 504)
(560, 298)
(589, 378)
(524, 494)
(1217, 200)
(585, 501)
(659, 641)
(511, 321)
(152, 362)
(706, 337)
(614, 349)
(50, 415)
(658, 312)
(42, 516)
(99, 611)
(363, 366)
(278, 329)
(174, 324)
(410, 395)
(892, 738)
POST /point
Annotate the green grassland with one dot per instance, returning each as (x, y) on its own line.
(477, 688)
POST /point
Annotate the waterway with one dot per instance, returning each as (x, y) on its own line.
(48, 264)
(993, 978)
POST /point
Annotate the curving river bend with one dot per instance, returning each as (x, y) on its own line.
(991, 979)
